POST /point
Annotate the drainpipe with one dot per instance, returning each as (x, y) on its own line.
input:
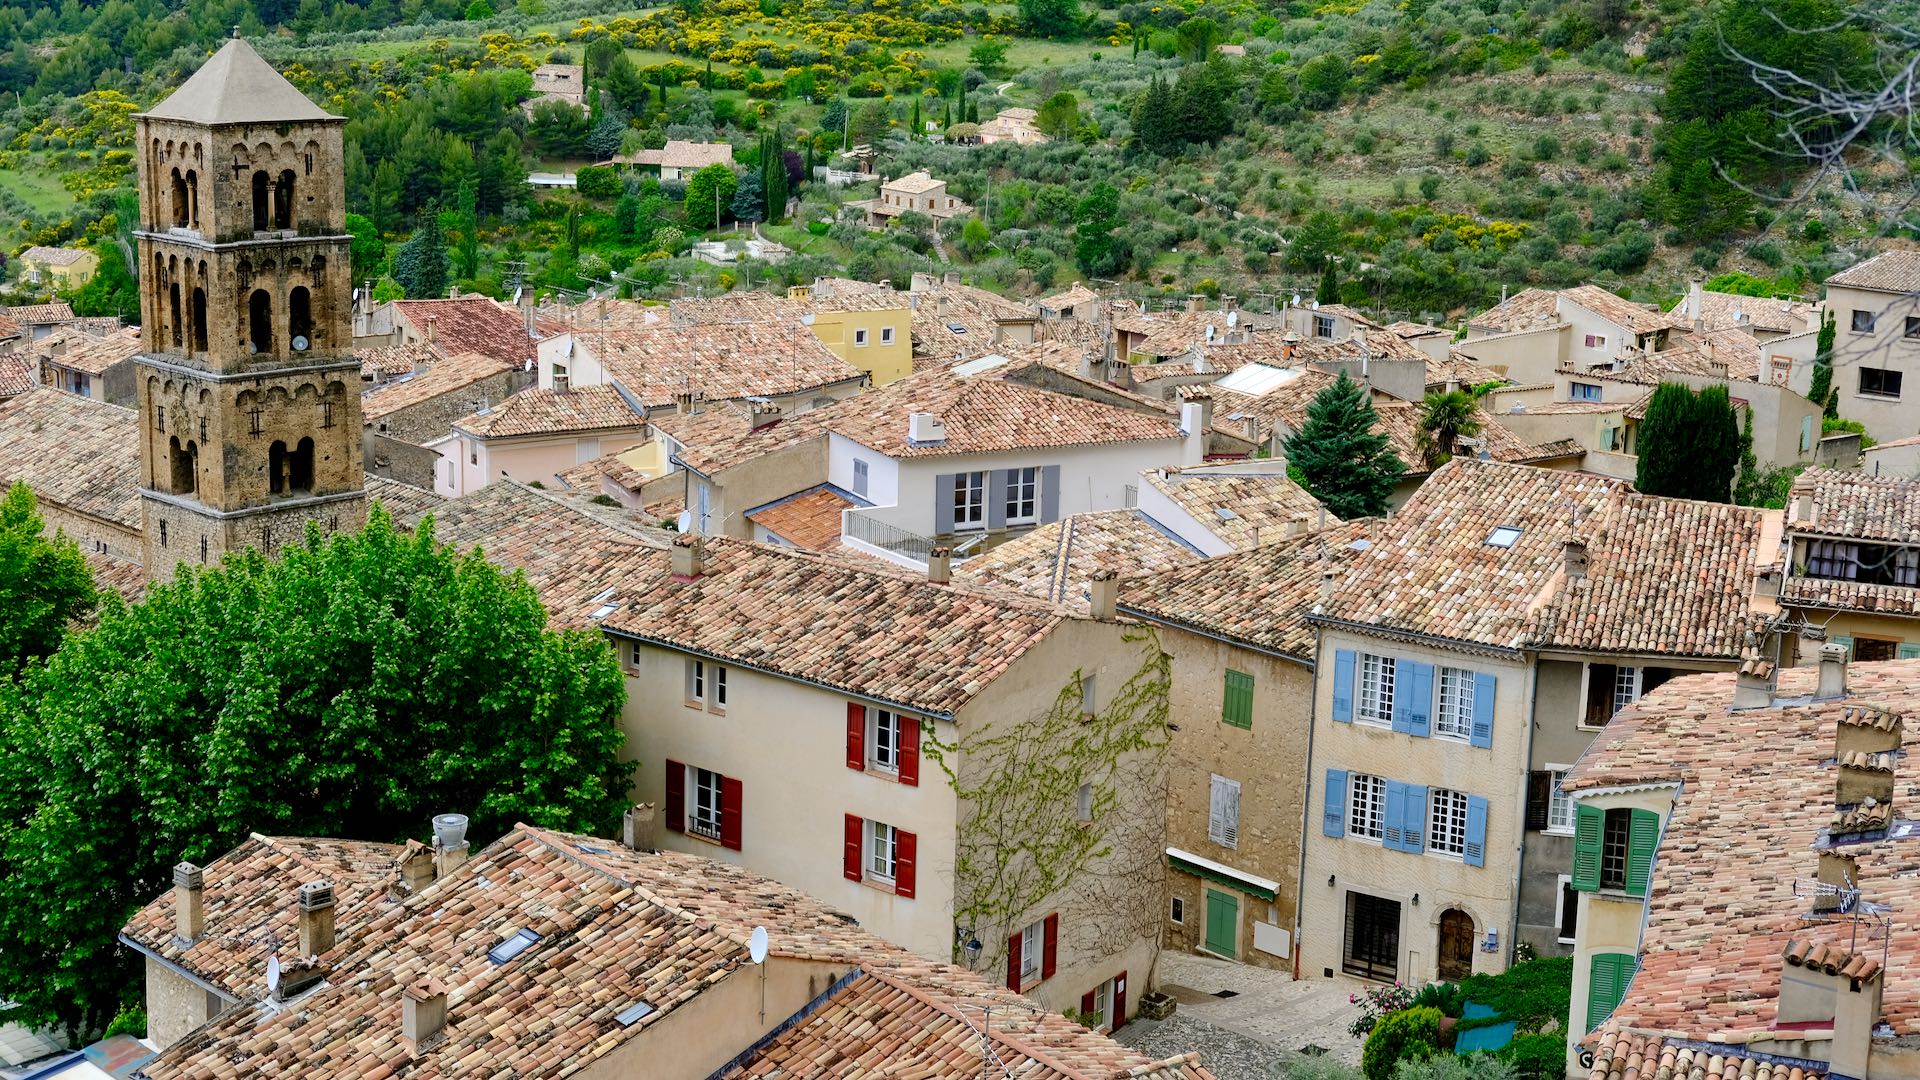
(1520, 849)
(1306, 809)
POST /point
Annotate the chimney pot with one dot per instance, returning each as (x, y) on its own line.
(637, 828)
(924, 427)
(1573, 555)
(189, 902)
(1104, 595)
(423, 1015)
(1833, 671)
(316, 918)
(689, 557)
(416, 867)
(940, 565)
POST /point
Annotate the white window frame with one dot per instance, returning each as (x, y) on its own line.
(1323, 326)
(881, 855)
(1223, 794)
(860, 339)
(1596, 341)
(697, 823)
(1366, 807)
(1559, 805)
(696, 682)
(886, 335)
(1083, 804)
(717, 676)
(970, 500)
(881, 758)
(1453, 711)
(1033, 943)
(1579, 391)
(1626, 686)
(1373, 697)
(1446, 823)
(1103, 1005)
(1560, 900)
(1023, 495)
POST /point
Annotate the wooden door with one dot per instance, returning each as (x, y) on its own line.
(1456, 945)
(1223, 923)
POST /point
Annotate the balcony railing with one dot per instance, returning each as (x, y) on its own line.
(903, 544)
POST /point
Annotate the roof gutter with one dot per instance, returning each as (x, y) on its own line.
(1225, 639)
(177, 969)
(1414, 637)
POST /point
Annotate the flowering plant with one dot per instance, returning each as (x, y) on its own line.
(1376, 1002)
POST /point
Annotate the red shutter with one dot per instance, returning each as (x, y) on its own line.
(676, 796)
(850, 863)
(856, 735)
(910, 751)
(1050, 949)
(1119, 1002)
(1013, 962)
(730, 813)
(1088, 1001)
(904, 847)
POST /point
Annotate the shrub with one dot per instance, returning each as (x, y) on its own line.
(1407, 1035)
(1477, 155)
(1375, 1002)
(1536, 1057)
(598, 182)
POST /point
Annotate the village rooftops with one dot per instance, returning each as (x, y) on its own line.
(16, 375)
(1855, 506)
(1754, 794)
(1071, 298)
(1535, 309)
(446, 376)
(53, 256)
(864, 629)
(721, 361)
(916, 183)
(1415, 330)
(95, 355)
(470, 324)
(534, 411)
(722, 435)
(382, 363)
(236, 86)
(38, 314)
(74, 451)
(1479, 557)
(1241, 507)
(1731, 311)
(1895, 271)
(1056, 561)
(1725, 354)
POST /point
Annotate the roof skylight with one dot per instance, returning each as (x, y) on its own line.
(1503, 537)
(520, 942)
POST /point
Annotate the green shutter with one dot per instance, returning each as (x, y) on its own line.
(1643, 835)
(1589, 824)
(1843, 641)
(1237, 706)
(1908, 650)
(1607, 985)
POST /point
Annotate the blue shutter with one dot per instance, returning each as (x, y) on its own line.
(1343, 686)
(943, 486)
(1484, 688)
(1049, 493)
(1476, 853)
(1413, 826)
(997, 499)
(1419, 698)
(1335, 823)
(1392, 835)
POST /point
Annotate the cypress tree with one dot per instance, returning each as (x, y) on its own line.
(914, 127)
(946, 115)
(1329, 291)
(1689, 444)
(1821, 391)
(1338, 456)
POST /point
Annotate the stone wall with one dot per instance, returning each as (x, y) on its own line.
(179, 532)
(409, 463)
(434, 417)
(175, 1005)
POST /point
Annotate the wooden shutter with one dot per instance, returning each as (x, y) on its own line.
(1417, 692)
(1390, 831)
(730, 813)
(1907, 650)
(1334, 819)
(1476, 847)
(1237, 700)
(910, 751)
(1089, 1001)
(997, 483)
(676, 796)
(1223, 812)
(1013, 963)
(1589, 826)
(1484, 689)
(1643, 836)
(906, 849)
(1343, 686)
(856, 735)
(850, 857)
(1413, 821)
(1049, 493)
(1539, 799)
(1119, 1002)
(1606, 985)
(943, 487)
(1050, 947)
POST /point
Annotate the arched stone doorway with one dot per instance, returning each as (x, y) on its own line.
(1455, 951)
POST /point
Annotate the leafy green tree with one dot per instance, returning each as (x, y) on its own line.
(1316, 241)
(352, 688)
(1099, 246)
(44, 582)
(708, 195)
(1446, 417)
(368, 250)
(1339, 457)
(1050, 18)
(974, 238)
(558, 129)
(478, 10)
(603, 139)
(626, 216)
(988, 54)
(834, 117)
(111, 290)
(1689, 444)
(1155, 127)
(1059, 115)
(1329, 290)
(915, 128)
(1195, 38)
(1322, 80)
(1820, 392)
(387, 290)
(421, 264)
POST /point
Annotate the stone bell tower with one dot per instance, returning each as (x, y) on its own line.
(249, 394)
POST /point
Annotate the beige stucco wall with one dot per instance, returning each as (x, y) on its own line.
(775, 475)
(1497, 774)
(1610, 920)
(63, 276)
(884, 362)
(1526, 357)
(699, 1036)
(1859, 624)
(1901, 460)
(175, 1004)
(1886, 346)
(541, 459)
(1269, 760)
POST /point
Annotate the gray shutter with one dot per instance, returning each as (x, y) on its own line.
(997, 499)
(943, 504)
(1049, 493)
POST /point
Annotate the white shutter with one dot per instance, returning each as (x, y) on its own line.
(1223, 812)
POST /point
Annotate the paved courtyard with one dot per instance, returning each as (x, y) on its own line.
(1266, 1018)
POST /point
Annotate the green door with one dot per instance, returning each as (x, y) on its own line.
(1223, 922)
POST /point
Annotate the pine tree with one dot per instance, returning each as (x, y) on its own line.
(749, 198)
(420, 265)
(1338, 456)
(1155, 127)
(946, 115)
(1329, 291)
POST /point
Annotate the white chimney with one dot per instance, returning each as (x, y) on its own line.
(1696, 305)
(1573, 556)
(689, 557)
(449, 843)
(423, 1015)
(1833, 672)
(924, 428)
(1103, 593)
(189, 903)
(316, 918)
(940, 565)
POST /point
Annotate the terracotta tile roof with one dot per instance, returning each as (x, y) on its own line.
(95, 355)
(731, 360)
(1260, 596)
(683, 154)
(385, 362)
(722, 436)
(1259, 505)
(18, 374)
(1286, 407)
(471, 324)
(1457, 367)
(1729, 354)
(589, 477)
(915, 183)
(455, 373)
(554, 318)
(1056, 561)
(1890, 271)
(987, 413)
(534, 411)
(1353, 315)
(864, 629)
(955, 321)
(1219, 360)
(1533, 309)
(1638, 318)
(1528, 309)
(735, 307)
(1579, 408)
(1073, 297)
(251, 907)
(129, 579)
(39, 314)
(1858, 506)
(1664, 576)
(9, 328)
(401, 500)
(1623, 1055)
(810, 519)
(1407, 329)
(1725, 311)
(79, 452)
(53, 256)
(1756, 798)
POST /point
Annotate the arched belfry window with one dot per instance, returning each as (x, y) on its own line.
(260, 212)
(283, 201)
(300, 319)
(277, 467)
(179, 200)
(181, 461)
(193, 198)
(260, 321)
(199, 319)
(173, 312)
(300, 467)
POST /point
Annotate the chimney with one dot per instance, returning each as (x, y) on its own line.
(431, 319)
(1753, 685)
(1229, 303)
(1104, 595)
(416, 867)
(1842, 872)
(952, 277)
(1833, 672)
(1196, 302)
(940, 565)
(689, 557)
(562, 382)
(423, 1015)
(924, 428)
(637, 828)
(763, 414)
(189, 903)
(1196, 419)
(1287, 345)
(453, 292)
(1696, 306)
(1573, 556)
(1856, 1012)
(449, 844)
(316, 918)
(1202, 365)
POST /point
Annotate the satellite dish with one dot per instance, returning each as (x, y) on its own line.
(299, 343)
(757, 944)
(273, 974)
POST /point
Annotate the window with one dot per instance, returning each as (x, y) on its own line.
(1596, 341)
(1455, 717)
(1366, 806)
(1833, 559)
(1559, 807)
(1607, 984)
(1626, 687)
(1237, 708)
(719, 679)
(1862, 322)
(1884, 382)
(1581, 391)
(1023, 495)
(860, 338)
(1806, 434)
(1376, 690)
(1566, 910)
(703, 809)
(1613, 851)
(696, 682)
(1913, 327)
(1323, 326)
(1178, 914)
(1372, 946)
(883, 740)
(859, 477)
(1223, 812)
(886, 335)
(1083, 804)
(1503, 537)
(1906, 567)
(969, 500)
(1089, 694)
(1610, 688)
(1102, 1011)
(881, 850)
(1032, 946)
(1447, 822)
